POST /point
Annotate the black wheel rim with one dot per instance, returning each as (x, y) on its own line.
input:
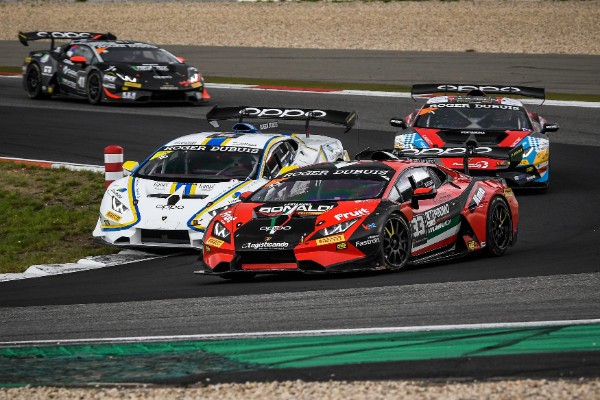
(501, 226)
(396, 246)
(33, 81)
(94, 87)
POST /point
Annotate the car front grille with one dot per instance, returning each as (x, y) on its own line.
(165, 236)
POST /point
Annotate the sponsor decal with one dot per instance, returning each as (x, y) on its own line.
(113, 216)
(132, 84)
(282, 113)
(370, 240)
(360, 171)
(109, 78)
(450, 151)
(265, 245)
(214, 242)
(341, 246)
(472, 132)
(207, 249)
(471, 245)
(47, 70)
(275, 228)
(64, 35)
(330, 240)
(228, 216)
(350, 214)
(295, 207)
(496, 106)
(438, 226)
(44, 58)
(370, 226)
(109, 86)
(169, 207)
(307, 173)
(160, 185)
(150, 67)
(467, 88)
(196, 85)
(508, 192)
(268, 125)
(232, 149)
(435, 213)
(162, 77)
(479, 164)
(69, 72)
(129, 95)
(478, 196)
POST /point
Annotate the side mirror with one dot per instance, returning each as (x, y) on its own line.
(398, 123)
(129, 167)
(181, 59)
(78, 60)
(550, 127)
(245, 195)
(422, 194)
(287, 169)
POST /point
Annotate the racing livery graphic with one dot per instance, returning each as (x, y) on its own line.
(100, 68)
(362, 215)
(169, 199)
(498, 136)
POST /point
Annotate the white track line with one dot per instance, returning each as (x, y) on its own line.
(319, 332)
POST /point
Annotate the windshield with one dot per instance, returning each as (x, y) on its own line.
(210, 164)
(346, 188)
(473, 116)
(135, 55)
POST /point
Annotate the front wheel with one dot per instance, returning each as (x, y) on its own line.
(396, 242)
(94, 88)
(33, 82)
(498, 227)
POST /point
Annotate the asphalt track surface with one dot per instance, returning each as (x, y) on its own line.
(551, 274)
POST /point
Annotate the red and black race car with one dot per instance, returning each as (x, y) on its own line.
(497, 134)
(100, 68)
(362, 215)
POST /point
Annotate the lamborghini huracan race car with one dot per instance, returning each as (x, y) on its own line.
(364, 215)
(169, 199)
(100, 68)
(497, 134)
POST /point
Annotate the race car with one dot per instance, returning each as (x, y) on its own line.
(361, 215)
(100, 68)
(499, 136)
(169, 199)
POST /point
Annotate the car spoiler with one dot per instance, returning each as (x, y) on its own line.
(480, 90)
(347, 119)
(26, 37)
(512, 155)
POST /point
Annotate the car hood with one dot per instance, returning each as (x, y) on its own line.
(160, 76)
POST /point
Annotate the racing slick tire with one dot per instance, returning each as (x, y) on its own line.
(94, 88)
(33, 82)
(498, 227)
(396, 242)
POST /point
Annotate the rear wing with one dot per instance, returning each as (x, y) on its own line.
(347, 119)
(477, 90)
(512, 155)
(26, 37)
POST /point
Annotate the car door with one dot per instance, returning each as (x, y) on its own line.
(72, 75)
(436, 221)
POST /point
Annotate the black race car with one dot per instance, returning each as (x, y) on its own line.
(101, 68)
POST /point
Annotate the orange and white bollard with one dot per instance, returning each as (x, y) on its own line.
(113, 164)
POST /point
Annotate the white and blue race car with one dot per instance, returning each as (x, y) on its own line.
(169, 199)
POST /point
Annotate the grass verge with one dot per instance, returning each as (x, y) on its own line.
(47, 215)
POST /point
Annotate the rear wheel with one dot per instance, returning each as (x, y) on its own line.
(396, 242)
(33, 82)
(94, 88)
(498, 227)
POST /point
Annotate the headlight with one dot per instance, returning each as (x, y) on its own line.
(220, 231)
(126, 78)
(216, 211)
(118, 206)
(338, 228)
